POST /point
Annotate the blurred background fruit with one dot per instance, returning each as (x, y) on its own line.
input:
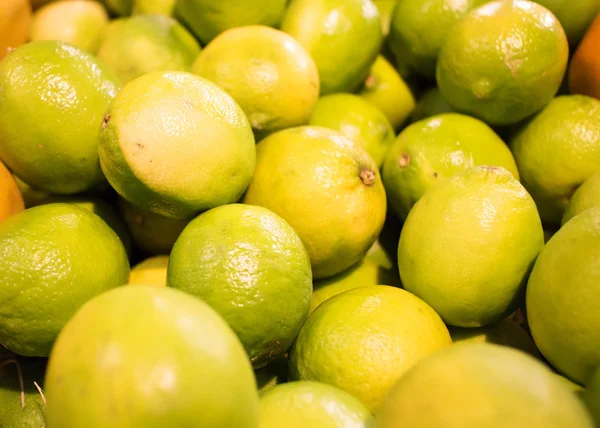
(15, 19)
(151, 271)
(585, 197)
(430, 103)
(575, 17)
(591, 396)
(584, 71)
(11, 200)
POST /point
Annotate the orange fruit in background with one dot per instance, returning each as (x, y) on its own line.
(11, 200)
(584, 71)
(15, 18)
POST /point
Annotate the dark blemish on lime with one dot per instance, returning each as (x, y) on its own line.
(404, 160)
(435, 175)
(367, 176)
(105, 120)
(139, 145)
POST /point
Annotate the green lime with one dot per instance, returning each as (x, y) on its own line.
(585, 197)
(430, 103)
(591, 396)
(575, 17)
(156, 7)
(386, 10)
(21, 404)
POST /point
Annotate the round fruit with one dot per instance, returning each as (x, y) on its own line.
(52, 99)
(363, 340)
(209, 18)
(327, 188)
(483, 386)
(584, 71)
(557, 151)
(80, 23)
(431, 150)
(151, 271)
(386, 10)
(22, 404)
(268, 73)
(53, 258)
(562, 296)
(106, 366)
(385, 89)
(342, 36)
(15, 19)
(585, 197)
(430, 103)
(591, 396)
(151, 233)
(156, 7)
(117, 7)
(575, 17)
(139, 45)
(250, 266)
(468, 245)
(311, 404)
(420, 27)
(176, 144)
(11, 200)
(357, 119)
(503, 62)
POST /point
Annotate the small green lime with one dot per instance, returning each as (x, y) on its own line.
(21, 404)
(430, 103)
(585, 197)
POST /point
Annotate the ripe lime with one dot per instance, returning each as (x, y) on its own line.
(585, 197)
(11, 200)
(151, 271)
(575, 17)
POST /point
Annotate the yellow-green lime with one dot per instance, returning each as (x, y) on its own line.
(585, 197)
(327, 188)
(208, 18)
(591, 395)
(268, 73)
(117, 7)
(342, 36)
(81, 23)
(52, 100)
(386, 90)
(562, 296)
(420, 27)
(273, 374)
(106, 366)
(11, 200)
(53, 259)
(141, 44)
(483, 385)
(386, 10)
(430, 103)
(575, 17)
(557, 151)
(469, 244)
(431, 150)
(151, 271)
(356, 119)
(503, 62)
(304, 404)
(363, 340)
(176, 144)
(22, 404)
(156, 7)
(249, 265)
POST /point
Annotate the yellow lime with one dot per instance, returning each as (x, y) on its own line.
(151, 271)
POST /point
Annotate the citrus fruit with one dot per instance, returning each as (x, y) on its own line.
(157, 7)
(506, 333)
(483, 385)
(176, 144)
(468, 246)
(420, 27)
(139, 45)
(151, 271)
(311, 404)
(118, 7)
(53, 258)
(266, 71)
(430, 103)
(117, 377)
(11, 200)
(363, 340)
(271, 375)
(584, 70)
(52, 99)
(386, 90)
(81, 23)
(365, 273)
(503, 62)
(386, 9)
(562, 294)
(591, 396)
(209, 18)
(250, 266)
(22, 405)
(342, 36)
(575, 17)
(356, 119)
(557, 151)
(430, 150)
(150, 232)
(585, 197)
(15, 19)
(327, 188)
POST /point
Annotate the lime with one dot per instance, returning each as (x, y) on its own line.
(151, 271)
(591, 396)
(385, 89)
(22, 405)
(250, 266)
(53, 258)
(327, 188)
(585, 197)
(117, 7)
(483, 385)
(557, 151)
(431, 150)
(503, 62)
(584, 70)
(363, 340)
(482, 233)
(430, 103)
(141, 44)
(266, 71)
(15, 19)
(81, 23)
(342, 36)
(176, 144)
(106, 366)
(11, 200)
(311, 404)
(52, 99)
(156, 7)
(575, 17)
(386, 10)
(562, 294)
